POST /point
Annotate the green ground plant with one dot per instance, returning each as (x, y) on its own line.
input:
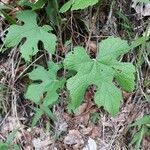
(33, 34)
(142, 125)
(8, 144)
(100, 71)
(106, 71)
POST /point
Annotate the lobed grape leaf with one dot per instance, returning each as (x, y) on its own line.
(48, 86)
(77, 4)
(100, 72)
(33, 34)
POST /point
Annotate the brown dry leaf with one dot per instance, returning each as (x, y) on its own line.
(28, 148)
(82, 119)
(87, 131)
(93, 47)
(36, 138)
(74, 138)
(27, 137)
(146, 143)
(83, 113)
(89, 95)
(126, 95)
(96, 131)
(124, 114)
(39, 144)
(82, 108)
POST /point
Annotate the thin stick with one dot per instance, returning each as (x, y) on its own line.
(28, 67)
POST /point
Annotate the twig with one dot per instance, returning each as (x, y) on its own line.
(28, 67)
(90, 34)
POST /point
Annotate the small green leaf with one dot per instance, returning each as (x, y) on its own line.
(24, 3)
(4, 146)
(139, 41)
(37, 5)
(143, 1)
(143, 131)
(16, 147)
(33, 34)
(66, 6)
(142, 121)
(82, 4)
(49, 113)
(11, 136)
(48, 86)
(77, 4)
(2, 6)
(95, 117)
(100, 72)
(52, 12)
(137, 138)
(37, 116)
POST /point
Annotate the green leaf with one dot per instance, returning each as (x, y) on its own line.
(143, 1)
(39, 112)
(111, 48)
(10, 19)
(124, 75)
(95, 117)
(48, 86)
(142, 121)
(37, 5)
(137, 138)
(66, 6)
(33, 34)
(4, 146)
(16, 147)
(11, 136)
(139, 41)
(100, 72)
(24, 3)
(109, 96)
(52, 13)
(37, 116)
(82, 4)
(2, 6)
(49, 113)
(77, 4)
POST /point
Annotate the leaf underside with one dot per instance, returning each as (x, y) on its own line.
(100, 72)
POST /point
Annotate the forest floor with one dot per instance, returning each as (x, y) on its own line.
(91, 128)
